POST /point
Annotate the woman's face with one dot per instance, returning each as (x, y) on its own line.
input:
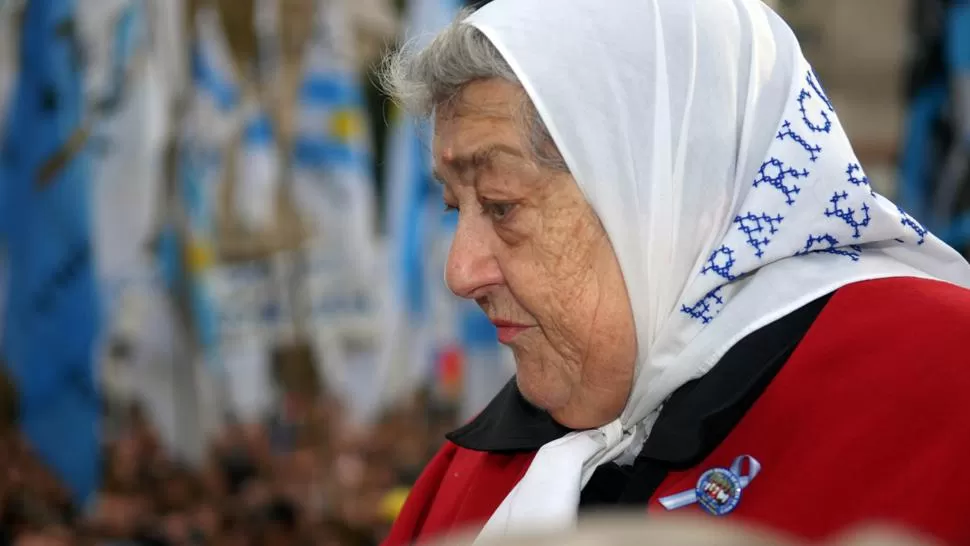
(532, 253)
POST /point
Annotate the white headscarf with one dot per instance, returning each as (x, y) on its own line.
(705, 143)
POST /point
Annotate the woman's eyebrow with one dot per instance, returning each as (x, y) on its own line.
(475, 159)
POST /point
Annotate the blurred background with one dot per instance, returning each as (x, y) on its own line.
(222, 304)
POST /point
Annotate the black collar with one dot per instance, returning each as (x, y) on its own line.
(695, 419)
(508, 424)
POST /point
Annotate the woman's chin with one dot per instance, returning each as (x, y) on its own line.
(554, 398)
(542, 393)
(545, 395)
(578, 419)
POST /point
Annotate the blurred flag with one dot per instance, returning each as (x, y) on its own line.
(257, 173)
(128, 139)
(52, 306)
(935, 157)
(334, 188)
(206, 129)
(426, 323)
(170, 39)
(332, 157)
(954, 183)
(130, 87)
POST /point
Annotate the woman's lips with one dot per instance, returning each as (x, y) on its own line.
(507, 331)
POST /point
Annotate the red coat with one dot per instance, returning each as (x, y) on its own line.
(867, 421)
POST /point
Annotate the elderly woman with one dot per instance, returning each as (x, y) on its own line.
(710, 308)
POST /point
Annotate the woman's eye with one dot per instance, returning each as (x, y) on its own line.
(450, 208)
(498, 211)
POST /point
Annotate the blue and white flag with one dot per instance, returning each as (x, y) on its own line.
(334, 189)
(52, 303)
(257, 174)
(128, 117)
(203, 140)
(333, 178)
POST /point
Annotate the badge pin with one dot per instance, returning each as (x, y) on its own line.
(718, 491)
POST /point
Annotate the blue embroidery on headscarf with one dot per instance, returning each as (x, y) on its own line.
(860, 182)
(722, 269)
(753, 225)
(783, 172)
(703, 309)
(911, 223)
(826, 126)
(811, 245)
(848, 215)
(813, 151)
(778, 181)
(812, 79)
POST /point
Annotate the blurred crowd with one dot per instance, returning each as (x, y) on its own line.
(303, 477)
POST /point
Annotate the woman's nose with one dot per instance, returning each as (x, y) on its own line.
(472, 268)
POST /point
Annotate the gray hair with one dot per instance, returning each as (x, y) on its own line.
(423, 79)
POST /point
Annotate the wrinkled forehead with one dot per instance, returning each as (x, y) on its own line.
(492, 97)
(483, 116)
